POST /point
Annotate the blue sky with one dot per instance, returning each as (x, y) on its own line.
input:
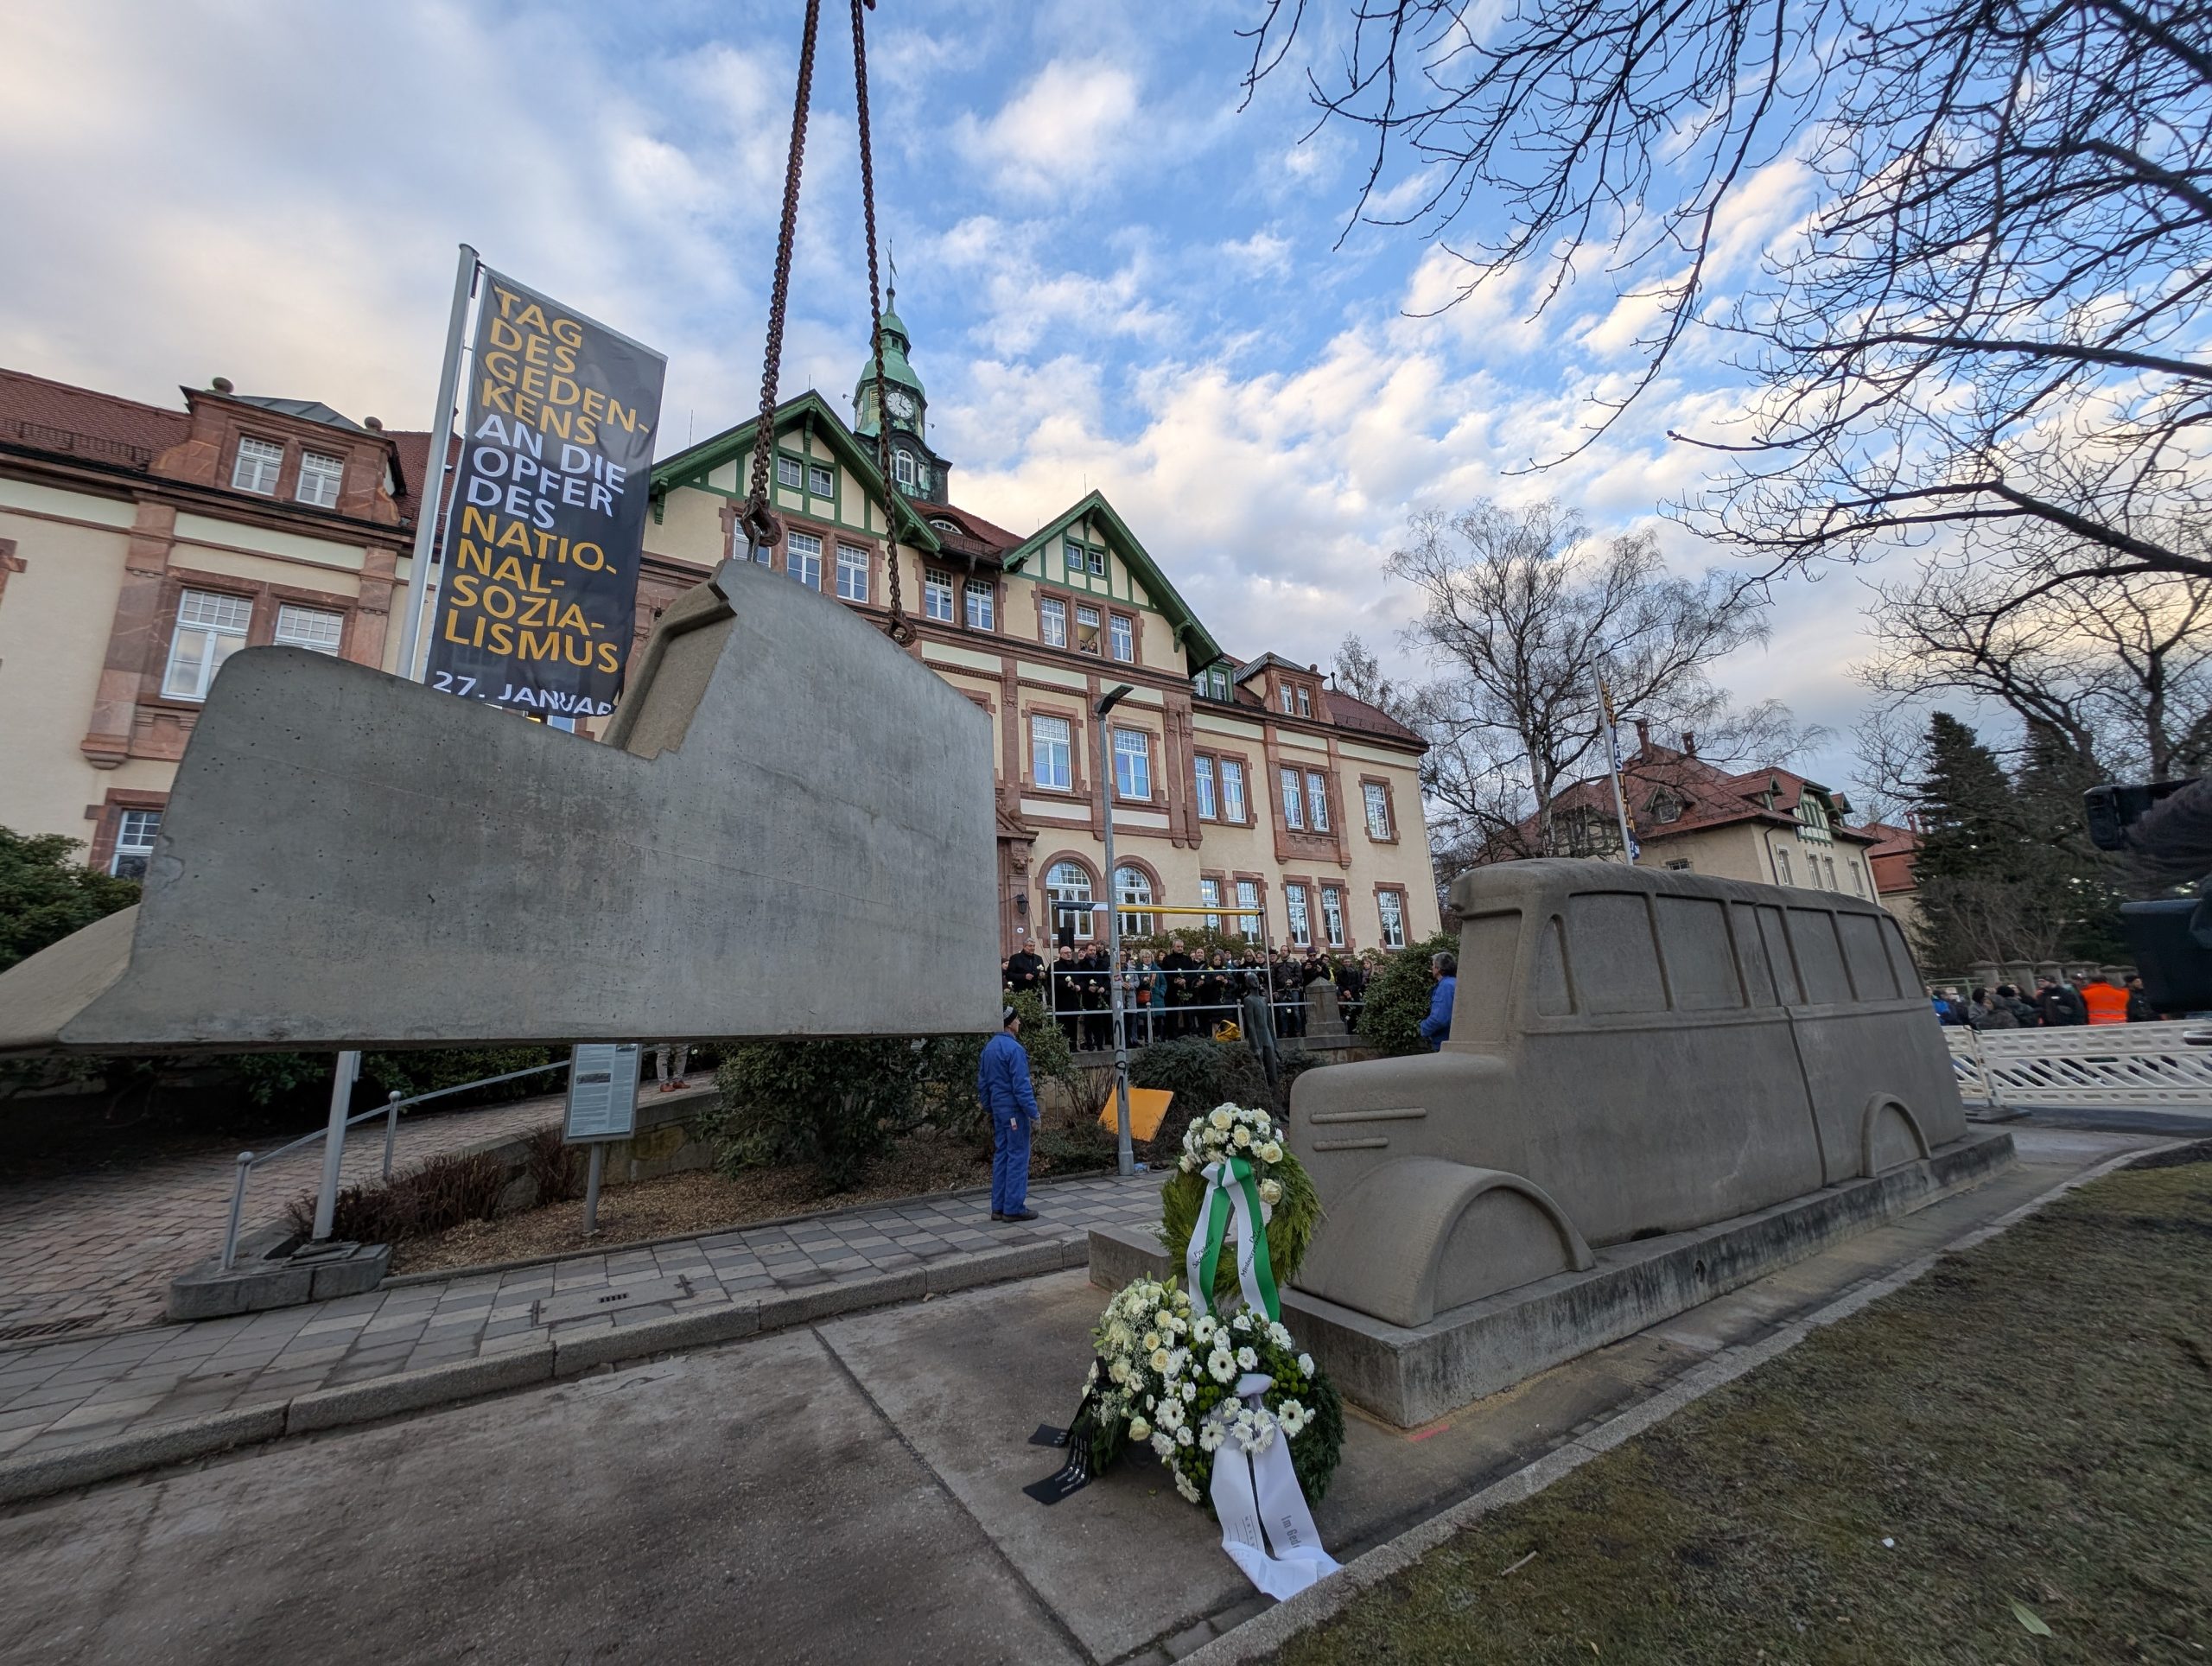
(1115, 278)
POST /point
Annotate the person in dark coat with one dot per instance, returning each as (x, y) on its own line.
(2024, 1012)
(1003, 1084)
(2139, 1009)
(1182, 987)
(1067, 996)
(1097, 999)
(1985, 1012)
(1024, 972)
(2060, 1003)
(1216, 992)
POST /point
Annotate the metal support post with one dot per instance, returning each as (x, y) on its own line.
(391, 1130)
(237, 1208)
(422, 588)
(1125, 1157)
(1613, 770)
(593, 1170)
(334, 1145)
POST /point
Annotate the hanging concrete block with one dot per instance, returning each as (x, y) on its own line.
(788, 833)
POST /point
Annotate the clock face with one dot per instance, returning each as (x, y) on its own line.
(901, 402)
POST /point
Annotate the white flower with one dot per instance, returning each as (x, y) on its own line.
(1151, 1340)
(1293, 1417)
(1222, 1116)
(1162, 1443)
(1278, 1335)
(1139, 1429)
(1184, 1486)
(1211, 1437)
(1221, 1367)
(1243, 1137)
(1271, 1192)
(1247, 1359)
(1118, 1371)
(1147, 1403)
(1159, 1361)
(1271, 1152)
(1190, 1391)
(1202, 1328)
(1177, 1362)
(1242, 1321)
(1184, 1163)
(1183, 1437)
(1306, 1363)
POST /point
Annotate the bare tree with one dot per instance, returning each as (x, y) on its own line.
(1359, 674)
(1993, 321)
(2117, 671)
(1523, 611)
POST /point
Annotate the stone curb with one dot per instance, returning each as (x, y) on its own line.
(554, 1358)
(1265, 1634)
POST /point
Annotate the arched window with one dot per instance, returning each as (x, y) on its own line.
(1132, 890)
(1069, 889)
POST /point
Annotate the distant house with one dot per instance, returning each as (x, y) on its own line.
(1771, 825)
(1895, 862)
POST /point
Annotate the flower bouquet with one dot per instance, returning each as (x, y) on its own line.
(1241, 1136)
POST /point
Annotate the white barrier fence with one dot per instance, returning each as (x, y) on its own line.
(2092, 1067)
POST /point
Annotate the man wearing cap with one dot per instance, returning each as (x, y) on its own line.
(1003, 1084)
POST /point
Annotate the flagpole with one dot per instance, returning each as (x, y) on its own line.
(1613, 768)
(423, 587)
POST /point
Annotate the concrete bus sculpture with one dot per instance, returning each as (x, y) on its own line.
(1634, 1052)
(347, 859)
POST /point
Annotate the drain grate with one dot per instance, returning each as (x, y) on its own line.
(46, 1327)
(586, 1304)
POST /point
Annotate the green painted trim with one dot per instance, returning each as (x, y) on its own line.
(1199, 644)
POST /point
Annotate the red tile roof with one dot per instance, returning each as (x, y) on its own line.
(98, 428)
(1371, 720)
(1710, 797)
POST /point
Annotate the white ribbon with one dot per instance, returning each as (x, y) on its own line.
(1261, 1505)
(1242, 1233)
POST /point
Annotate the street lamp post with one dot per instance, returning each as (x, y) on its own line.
(1125, 1157)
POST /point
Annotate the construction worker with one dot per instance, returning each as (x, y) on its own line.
(1003, 1084)
(2107, 1001)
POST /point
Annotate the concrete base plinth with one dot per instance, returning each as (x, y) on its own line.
(257, 1283)
(1409, 1376)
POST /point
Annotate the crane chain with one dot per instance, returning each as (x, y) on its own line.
(898, 628)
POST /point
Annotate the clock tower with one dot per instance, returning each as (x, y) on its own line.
(919, 473)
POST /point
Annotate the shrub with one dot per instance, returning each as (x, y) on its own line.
(440, 1192)
(1201, 1074)
(1398, 997)
(946, 1080)
(556, 1166)
(833, 1105)
(46, 892)
(1082, 1148)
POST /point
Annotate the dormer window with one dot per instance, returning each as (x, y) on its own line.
(320, 477)
(1664, 807)
(902, 469)
(259, 463)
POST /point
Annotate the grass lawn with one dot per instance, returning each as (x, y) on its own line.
(2008, 1460)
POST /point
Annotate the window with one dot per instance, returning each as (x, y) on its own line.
(321, 476)
(1615, 957)
(789, 472)
(1123, 638)
(1305, 701)
(1294, 806)
(1049, 753)
(1210, 895)
(1074, 557)
(1086, 630)
(1317, 801)
(1700, 967)
(1378, 810)
(1233, 791)
(937, 597)
(1098, 563)
(256, 467)
(1301, 924)
(821, 481)
(1679, 865)
(1132, 764)
(1664, 807)
(1248, 896)
(308, 627)
(902, 469)
(1207, 808)
(803, 558)
(1392, 908)
(1212, 684)
(852, 573)
(983, 605)
(1828, 862)
(1289, 706)
(1332, 915)
(210, 628)
(1068, 889)
(1053, 621)
(1782, 867)
(1858, 878)
(1133, 891)
(134, 844)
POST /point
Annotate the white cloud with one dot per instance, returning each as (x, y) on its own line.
(1262, 254)
(1062, 137)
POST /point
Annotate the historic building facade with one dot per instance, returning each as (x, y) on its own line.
(1232, 782)
(139, 546)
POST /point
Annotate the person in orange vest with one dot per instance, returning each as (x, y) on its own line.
(2107, 1001)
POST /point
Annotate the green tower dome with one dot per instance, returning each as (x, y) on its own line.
(897, 373)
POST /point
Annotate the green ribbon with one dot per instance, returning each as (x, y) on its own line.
(1221, 1210)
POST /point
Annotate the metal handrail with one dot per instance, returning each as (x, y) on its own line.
(248, 1161)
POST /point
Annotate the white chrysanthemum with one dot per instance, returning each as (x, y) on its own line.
(1221, 1368)
(1222, 1116)
(1203, 1326)
(1247, 1359)
(1184, 1485)
(1293, 1417)
(1278, 1334)
(1211, 1437)
(1306, 1363)
(1179, 1360)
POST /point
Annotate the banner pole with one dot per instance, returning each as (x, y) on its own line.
(422, 586)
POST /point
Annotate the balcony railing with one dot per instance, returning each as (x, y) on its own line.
(46, 438)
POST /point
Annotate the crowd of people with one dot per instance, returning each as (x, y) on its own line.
(1178, 992)
(2054, 1005)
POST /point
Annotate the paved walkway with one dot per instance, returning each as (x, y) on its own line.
(61, 1394)
(102, 1245)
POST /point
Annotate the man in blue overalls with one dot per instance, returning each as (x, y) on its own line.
(1003, 1084)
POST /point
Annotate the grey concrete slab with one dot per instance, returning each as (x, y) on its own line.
(744, 1505)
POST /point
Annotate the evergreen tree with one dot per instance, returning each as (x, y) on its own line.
(2076, 887)
(1973, 854)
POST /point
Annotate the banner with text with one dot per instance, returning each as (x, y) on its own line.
(548, 513)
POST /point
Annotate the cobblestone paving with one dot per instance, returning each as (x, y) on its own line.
(60, 1394)
(106, 1243)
